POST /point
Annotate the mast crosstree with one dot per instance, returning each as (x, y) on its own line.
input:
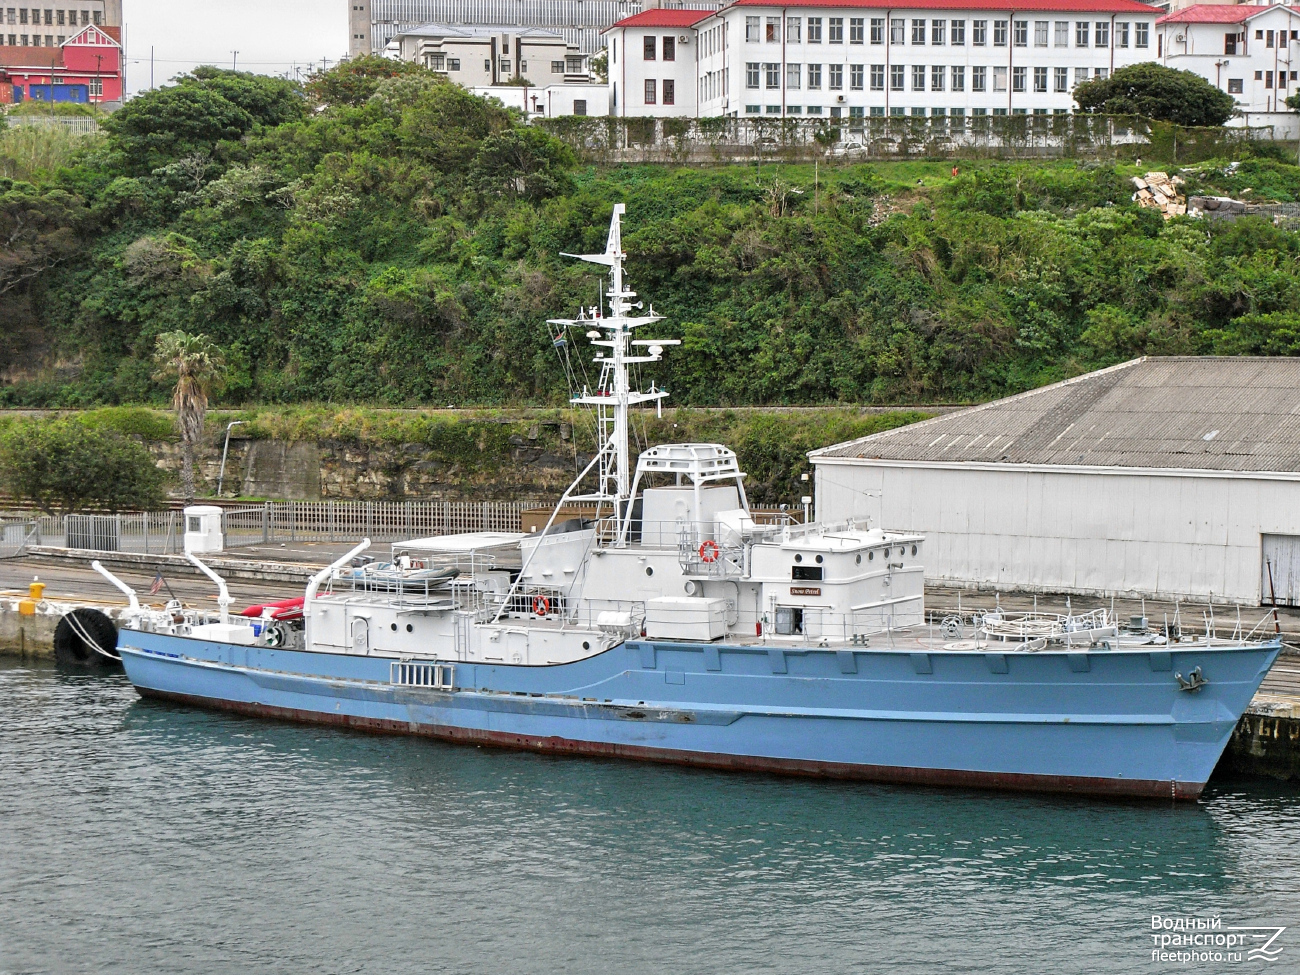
(613, 395)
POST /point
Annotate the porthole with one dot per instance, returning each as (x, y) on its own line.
(586, 645)
(885, 553)
(871, 556)
(409, 628)
(394, 627)
(649, 570)
(798, 558)
(913, 549)
(859, 558)
(819, 560)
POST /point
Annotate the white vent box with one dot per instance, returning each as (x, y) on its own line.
(240, 633)
(203, 529)
(696, 618)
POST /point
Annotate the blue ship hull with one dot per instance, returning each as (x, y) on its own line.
(1104, 723)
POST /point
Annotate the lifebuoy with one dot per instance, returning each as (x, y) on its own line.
(541, 606)
(708, 550)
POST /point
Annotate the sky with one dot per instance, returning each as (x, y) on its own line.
(271, 36)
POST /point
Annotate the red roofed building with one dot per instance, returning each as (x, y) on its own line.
(1250, 51)
(86, 67)
(855, 59)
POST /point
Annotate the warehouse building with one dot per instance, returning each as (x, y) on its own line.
(1166, 477)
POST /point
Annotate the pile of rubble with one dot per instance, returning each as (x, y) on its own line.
(1160, 192)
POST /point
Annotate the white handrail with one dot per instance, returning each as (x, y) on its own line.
(223, 597)
(130, 593)
(314, 583)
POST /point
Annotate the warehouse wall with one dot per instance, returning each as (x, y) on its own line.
(1095, 532)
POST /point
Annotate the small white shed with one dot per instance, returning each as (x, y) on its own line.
(1165, 477)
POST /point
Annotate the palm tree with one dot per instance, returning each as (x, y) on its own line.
(195, 364)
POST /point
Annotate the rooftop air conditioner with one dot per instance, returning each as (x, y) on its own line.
(1180, 38)
(683, 39)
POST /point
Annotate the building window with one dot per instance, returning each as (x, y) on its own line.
(895, 112)
(794, 109)
(814, 30)
(1235, 86)
(793, 75)
(670, 92)
(670, 50)
(999, 111)
(1101, 72)
(22, 17)
(1121, 34)
(999, 79)
(918, 31)
(855, 77)
(650, 90)
(918, 113)
(979, 111)
(1141, 34)
(938, 30)
(1061, 79)
(959, 32)
(857, 112)
(856, 25)
(1022, 33)
(814, 109)
(897, 29)
(1103, 33)
(814, 76)
(772, 75)
(1081, 33)
(918, 77)
(979, 32)
(648, 48)
(751, 74)
(877, 30)
(837, 30)
(772, 30)
(523, 66)
(836, 82)
(792, 25)
(877, 111)
(487, 66)
(958, 78)
(1018, 79)
(557, 67)
(1061, 36)
(1019, 111)
(453, 64)
(1229, 43)
(877, 77)
(1040, 80)
(774, 110)
(580, 106)
(938, 112)
(999, 33)
(938, 76)
(1268, 79)
(896, 75)
(505, 67)
(1268, 35)
(97, 87)
(436, 62)
(978, 76)
(753, 109)
(958, 113)
(751, 30)
(1080, 75)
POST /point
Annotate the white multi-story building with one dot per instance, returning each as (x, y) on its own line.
(855, 59)
(482, 55)
(1250, 51)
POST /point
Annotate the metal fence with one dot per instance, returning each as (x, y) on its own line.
(333, 521)
(76, 124)
(147, 532)
(15, 536)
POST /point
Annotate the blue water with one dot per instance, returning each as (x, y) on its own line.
(145, 837)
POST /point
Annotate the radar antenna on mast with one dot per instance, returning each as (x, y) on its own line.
(613, 396)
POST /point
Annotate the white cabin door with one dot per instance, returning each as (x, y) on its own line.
(1282, 558)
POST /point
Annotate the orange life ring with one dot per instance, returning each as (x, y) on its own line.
(541, 606)
(708, 550)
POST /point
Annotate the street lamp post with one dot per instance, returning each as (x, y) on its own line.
(221, 477)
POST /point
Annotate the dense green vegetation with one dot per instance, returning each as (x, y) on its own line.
(395, 240)
(1156, 92)
(66, 465)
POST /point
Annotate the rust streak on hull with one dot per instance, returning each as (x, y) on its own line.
(1019, 782)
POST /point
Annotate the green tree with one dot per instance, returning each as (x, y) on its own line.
(522, 162)
(354, 81)
(161, 126)
(62, 465)
(1156, 92)
(194, 364)
(270, 101)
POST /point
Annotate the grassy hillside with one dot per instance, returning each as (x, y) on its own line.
(396, 241)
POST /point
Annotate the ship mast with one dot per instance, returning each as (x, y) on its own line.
(613, 395)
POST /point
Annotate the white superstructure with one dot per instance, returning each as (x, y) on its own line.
(862, 59)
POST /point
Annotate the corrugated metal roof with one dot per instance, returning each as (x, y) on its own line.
(1207, 13)
(1187, 412)
(662, 18)
(1011, 6)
